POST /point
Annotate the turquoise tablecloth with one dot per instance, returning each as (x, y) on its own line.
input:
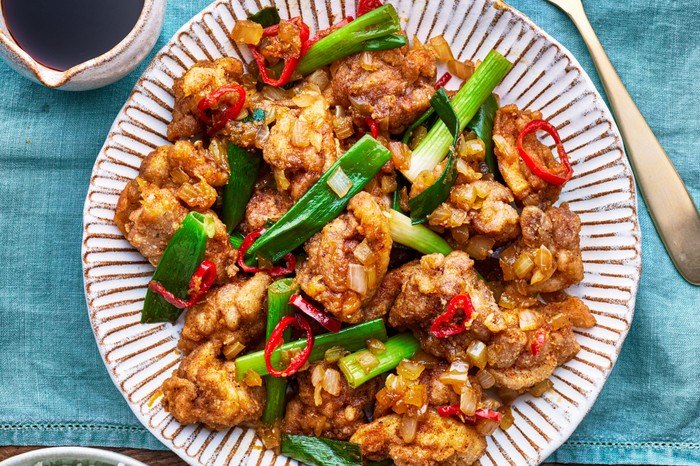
(54, 388)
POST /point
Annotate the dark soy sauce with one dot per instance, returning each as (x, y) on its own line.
(60, 34)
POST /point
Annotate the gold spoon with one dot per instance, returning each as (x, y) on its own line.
(672, 209)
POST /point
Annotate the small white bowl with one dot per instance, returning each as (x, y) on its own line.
(71, 456)
(96, 72)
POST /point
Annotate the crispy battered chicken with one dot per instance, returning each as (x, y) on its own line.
(198, 82)
(393, 87)
(335, 416)
(389, 290)
(266, 204)
(425, 296)
(152, 207)
(556, 229)
(510, 355)
(439, 441)
(204, 389)
(234, 312)
(326, 275)
(529, 189)
(484, 206)
(302, 145)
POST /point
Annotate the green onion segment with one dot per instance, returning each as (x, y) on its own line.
(278, 307)
(319, 451)
(352, 339)
(320, 204)
(416, 237)
(398, 347)
(181, 258)
(372, 31)
(424, 203)
(434, 147)
(482, 125)
(244, 167)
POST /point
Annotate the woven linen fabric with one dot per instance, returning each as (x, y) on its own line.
(54, 389)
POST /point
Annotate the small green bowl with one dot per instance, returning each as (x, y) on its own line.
(71, 456)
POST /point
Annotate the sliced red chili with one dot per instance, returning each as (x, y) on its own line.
(454, 410)
(277, 339)
(201, 281)
(329, 323)
(373, 126)
(290, 63)
(540, 340)
(230, 113)
(275, 271)
(445, 325)
(553, 176)
(365, 6)
(321, 34)
(444, 79)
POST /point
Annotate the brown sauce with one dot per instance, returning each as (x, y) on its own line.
(60, 34)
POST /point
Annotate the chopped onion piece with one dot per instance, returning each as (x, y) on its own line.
(395, 384)
(416, 395)
(523, 266)
(543, 258)
(540, 388)
(252, 379)
(274, 93)
(317, 375)
(339, 182)
(357, 278)
(319, 78)
(477, 353)
(479, 247)
(408, 429)
(331, 382)
(528, 320)
(468, 400)
(460, 69)
(486, 427)
(441, 48)
(364, 253)
(334, 354)
(558, 321)
(410, 370)
(367, 361)
(375, 346)
(247, 32)
(485, 379)
(233, 350)
(503, 146)
(209, 226)
(507, 420)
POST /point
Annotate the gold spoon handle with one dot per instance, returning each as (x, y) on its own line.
(672, 209)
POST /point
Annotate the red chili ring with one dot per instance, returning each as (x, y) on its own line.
(229, 113)
(538, 170)
(277, 339)
(201, 281)
(329, 323)
(439, 328)
(275, 271)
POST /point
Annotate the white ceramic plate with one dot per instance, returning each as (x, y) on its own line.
(545, 77)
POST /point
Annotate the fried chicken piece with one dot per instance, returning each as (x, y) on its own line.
(389, 290)
(148, 217)
(203, 78)
(484, 206)
(556, 229)
(204, 389)
(284, 45)
(266, 204)
(392, 86)
(234, 312)
(325, 276)
(426, 293)
(510, 355)
(439, 441)
(334, 416)
(529, 189)
(301, 146)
